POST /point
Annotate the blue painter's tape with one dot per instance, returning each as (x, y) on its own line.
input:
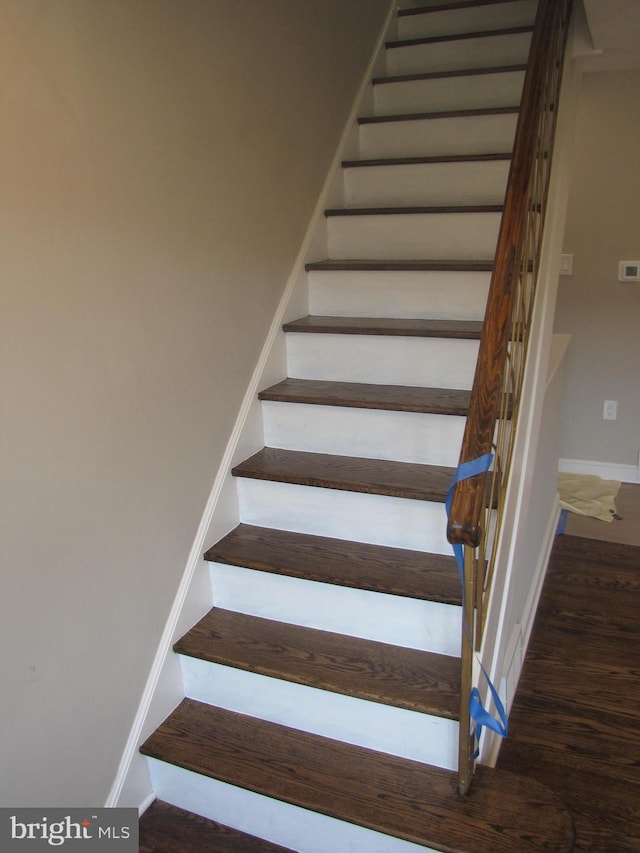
(481, 717)
(464, 472)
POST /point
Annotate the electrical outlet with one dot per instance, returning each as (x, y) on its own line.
(610, 412)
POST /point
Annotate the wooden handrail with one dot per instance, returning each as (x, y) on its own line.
(464, 526)
(477, 510)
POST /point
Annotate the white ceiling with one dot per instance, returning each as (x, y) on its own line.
(615, 32)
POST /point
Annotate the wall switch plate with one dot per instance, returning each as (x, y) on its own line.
(610, 412)
(566, 264)
(629, 271)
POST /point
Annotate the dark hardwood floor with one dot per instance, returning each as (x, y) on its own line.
(575, 723)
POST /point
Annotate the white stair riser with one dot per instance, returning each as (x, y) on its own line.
(490, 134)
(414, 361)
(407, 734)
(385, 360)
(423, 625)
(424, 184)
(403, 295)
(461, 55)
(377, 519)
(465, 92)
(278, 822)
(454, 236)
(519, 13)
(367, 433)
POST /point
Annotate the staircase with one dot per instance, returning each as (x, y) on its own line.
(323, 688)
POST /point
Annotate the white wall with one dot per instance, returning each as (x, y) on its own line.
(159, 165)
(601, 314)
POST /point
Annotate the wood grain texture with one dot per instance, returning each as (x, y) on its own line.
(503, 813)
(414, 210)
(397, 398)
(358, 265)
(447, 7)
(377, 672)
(574, 723)
(508, 31)
(437, 75)
(164, 828)
(413, 328)
(438, 114)
(348, 473)
(414, 161)
(378, 568)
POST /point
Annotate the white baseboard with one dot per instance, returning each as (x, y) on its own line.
(605, 470)
(539, 575)
(150, 800)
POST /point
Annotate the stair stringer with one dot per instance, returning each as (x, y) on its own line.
(164, 689)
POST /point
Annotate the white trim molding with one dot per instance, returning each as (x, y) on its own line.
(605, 470)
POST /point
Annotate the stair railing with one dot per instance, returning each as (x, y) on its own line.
(477, 506)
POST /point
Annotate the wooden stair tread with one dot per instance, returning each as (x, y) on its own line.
(397, 398)
(506, 31)
(349, 473)
(415, 210)
(395, 796)
(438, 75)
(417, 161)
(448, 7)
(416, 327)
(484, 111)
(358, 565)
(377, 672)
(164, 828)
(363, 265)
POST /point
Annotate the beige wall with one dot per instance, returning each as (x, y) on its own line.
(602, 314)
(160, 161)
